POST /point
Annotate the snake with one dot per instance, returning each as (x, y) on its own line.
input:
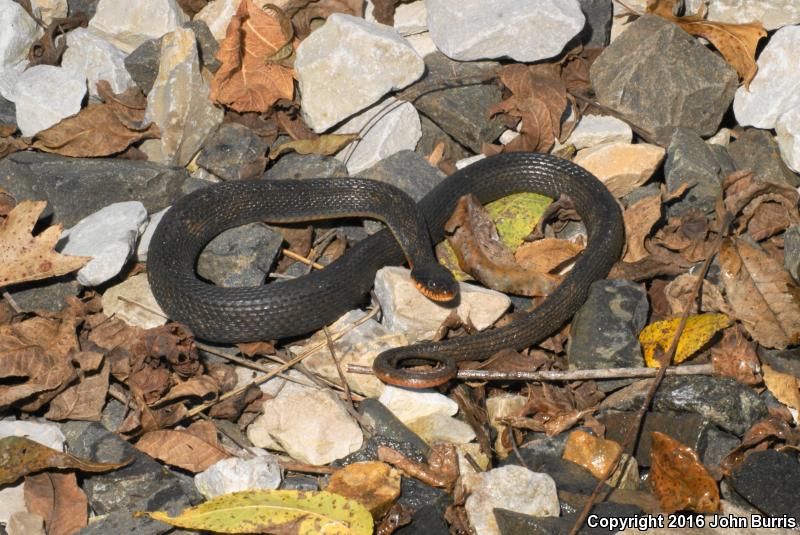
(305, 304)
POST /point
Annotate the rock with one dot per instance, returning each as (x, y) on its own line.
(384, 129)
(109, 236)
(44, 95)
(788, 136)
(755, 150)
(428, 519)
(436, 428)
(142, 64)
(460, 111)
(730, 405)
(178, 102)
(241, 256)
(409, 19)
(147, 235)
(545, 455)
(96, 59)
(722, 137)
(691, 160)
(217, 14)
(236, 474)
(47, 434)
(502, 406)
(369, 451)
(299, 482)
(409, 405)
(511, 523)
(408, 311)
(621, 166)
(791, 251)
(718, 445)
(377, 61)
(207, 44)
(361, 345)
(295, 166)
(599, 16)
(422, 43)
(234, 152)
(513, 488)
(8, 112)
(432, 135)
(21, 31)
(768, 479)
(129, 24)
(523, 30)
(776, 87)
(773, 14)
(24, 523)
(408, 171)
(132, 301)
(669, 80)
(385, 424)
(309, 424)
(50, 9)
(48, 294)
(77, 187)
(595, 130)
(89, 7)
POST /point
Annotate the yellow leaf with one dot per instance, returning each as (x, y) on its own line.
(698, 331)
(517, 215)
(326, 145)
(785, 387)
(274, 511)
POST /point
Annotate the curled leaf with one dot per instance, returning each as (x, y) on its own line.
(326, 145)
(679, 479)
(698, 332)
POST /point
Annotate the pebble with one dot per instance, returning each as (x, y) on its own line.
(384, 129)
(129, 24)
(142, 64)
(756, 150)
(621, 166)
(411, 404)
(410, 18)
(133, 302)
(692, 160)
(428, 519)
(599, 18)
(97, 59)
(432, 135)
(234, 152)
(24, 523)
(348, 64)
(717, 446)
(773, 14)
(241, 256)
(48, 10)
(788, 137)
(217, 14)
(593, 130)
(440, 428)
(109, 236)
(385, 424)
(523, 30)
(147, 236)
(178, 102)
(768, 480)
(236, 474)
(513, 488)
(19, 34)
(44, 95)
(408, 171)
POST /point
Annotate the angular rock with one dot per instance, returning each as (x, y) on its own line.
(385, 424)
(773, 14)
(20, 31)
(236, 474)
(669, 80)
(242, 256)
(409, 405)
(178, 102)
(142, 64)
(217, 14)
(408, 171)
(384, 129)
(599, 16)
(49, 9)
(595, 130)
(788, 137)
(422, 43)
(133, 302)
(428, 519)
(147, 235)
(109, 236)
(44, 95)
(8, 112)
(408, 311)
(440, 428)
(129, 24)
(234, 152)
(369, 451)
(776, 86)
(377, 59)
(691, 160)
(755, 150)
(48, 294)
(718, 445)
(89, 7)
(791, 251)
(24, 523)
(432, 135)
(295, 166)
(300, 482)
(768, 479)
(207, 44)
(523, 30)
(621, 166)
(97, 59)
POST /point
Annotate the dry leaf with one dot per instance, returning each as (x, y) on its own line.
(84, 400)
(595, 454)
(698, 332)
(59, 500)
(10, 145)
(680, 291)
(441, 470)
(248, 80)
(200, 387)
(184, 448)
(761, 293)
(547, 255)
(307, 14)
(639, 219)
(326, 144)
(679, 479)
(373, 484)
(785, 387)
(735, 357)
(760, 436)
(27, 257)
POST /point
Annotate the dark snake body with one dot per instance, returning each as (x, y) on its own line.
(305, 304)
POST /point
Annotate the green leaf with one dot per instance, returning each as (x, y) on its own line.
(517, 215)
(274, 511)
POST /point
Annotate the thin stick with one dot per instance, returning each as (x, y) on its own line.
(303, 259)
(11, 302)
(338, 368)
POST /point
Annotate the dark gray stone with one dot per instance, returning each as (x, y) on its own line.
(768, 480)
(599, 15)
(756, 150)
(8, 112)
(569, 477)
(691, 160)
(791, 251)
(661, 78)
(384, 423)
(240, 257)
(234, 152)
(415, 494)
(142, 64)
(781, 360)
(300, 482)
(513, 523)
(432, 135)
(113, 414)
(48, 294)
(124, 523)
(637, 194)
(408, 171)
(77, 187)
(459, 111)
(731, 405)
(295, 166)
(207, 45)
(87, 6)
(718, 445)
(369, 451)
(428, 519)
(726, 163)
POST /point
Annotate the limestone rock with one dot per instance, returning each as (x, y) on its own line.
(133, 302)
(50, 9)
(440, 428)
(217, 14)
(236, 474)
(598, 129)
(772, 14)
(19, 33)
(96, 59)
(788, 130)
(129, 24)
(147, 235)
(44, 95)
(621, 166)
(411, 404)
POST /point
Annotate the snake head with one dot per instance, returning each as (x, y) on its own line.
(435, 282)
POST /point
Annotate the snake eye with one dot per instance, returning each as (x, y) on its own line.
(435, 282)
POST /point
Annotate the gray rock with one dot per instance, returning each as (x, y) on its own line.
(640, 193)
(142, 64)
(300, 482)
(237, 474)
(385, 423)
(97, 59)
(460, 111)
(241, 256)
(77, 187)
(569, 477)
(408, 171)
(428, 519)
(726, 163)
(731, 405)
(691, 160)
(45, 95)
(125, 522)
(772, 14)
(8, 112)
(781, 360)
(369, 451)
(296, 166)
(89, 7)
(432, 135)
(670, 80)
(234, 152)
(207, 44)
(47, 294)
(598, 13)
(756, 150)
(511, 523)
(768, 480)
(718, 444)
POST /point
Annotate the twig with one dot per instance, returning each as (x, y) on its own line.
(11, 302)
(303, 259)
(514, 448)
(572, 375)
(338, 365)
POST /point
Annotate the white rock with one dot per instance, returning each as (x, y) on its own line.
(596, 129)
(217, 14)
(440, 428)
(463, 162)
(348, 64)
(723, 137)
(147, 235)
(772, 14)
(19, 31)
(9, 77)
(50, 9)
(96, 59)
(511, 487)
(129, 24)
(776, 86)
(524, 30)
(788, 130)
(108, 236)
(44, 95)
(386, 128)
(133, 302)
(409, 18)
(12, 499)
(25, 523)
(235, 474)
(178, 102)
(408, 311)
(499, 407)
(411, 404)
(422, 43)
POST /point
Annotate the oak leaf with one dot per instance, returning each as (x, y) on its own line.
(679, 479)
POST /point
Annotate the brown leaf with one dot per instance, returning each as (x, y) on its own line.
(84, 400)
(441, 470)
(373, 484)
(27, 257)
(59, 500)
(326, 145)
(746, 196)
(183, 448)
(20, 456)
(306, 14)
(679, 479)
(191, 7)
(735, 357)
(199, 387)
(763, 296)
(547, 255)
(763, 434)
(247, 79)
(251, 349)
(680, 292)
(639, 219)
(785, 387)
(9, 145)
(384, 11)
